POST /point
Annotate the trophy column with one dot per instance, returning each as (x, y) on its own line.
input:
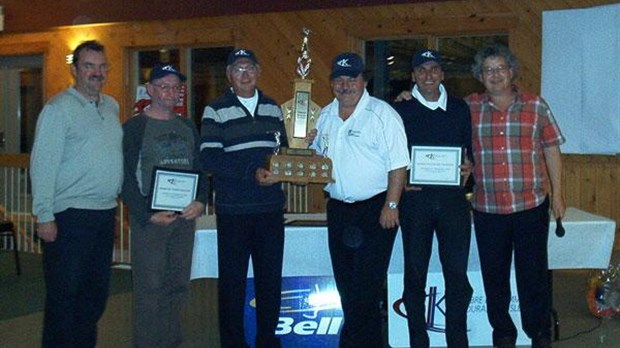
(298, 163)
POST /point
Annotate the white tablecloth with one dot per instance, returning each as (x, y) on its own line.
(588, 243)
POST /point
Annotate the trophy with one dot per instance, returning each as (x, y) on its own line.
(297, 162)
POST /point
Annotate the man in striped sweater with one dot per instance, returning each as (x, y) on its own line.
(239, 130)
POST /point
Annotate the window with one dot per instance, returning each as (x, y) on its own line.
(208, 77)
(21, 101)
(205, 69)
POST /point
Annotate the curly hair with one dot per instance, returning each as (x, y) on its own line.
(495, 50)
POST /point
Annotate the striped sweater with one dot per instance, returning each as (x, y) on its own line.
(234, 145)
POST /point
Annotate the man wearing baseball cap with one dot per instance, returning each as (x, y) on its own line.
(365, 139)
(162, 240)
(239, 130)
(434, 118)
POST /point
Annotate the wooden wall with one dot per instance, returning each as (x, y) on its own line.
(591, 182)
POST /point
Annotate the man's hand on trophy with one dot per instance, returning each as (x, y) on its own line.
(311, 136)
(265, 177)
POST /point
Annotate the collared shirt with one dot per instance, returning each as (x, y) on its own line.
(363, 149)
(508, 146)
(442, 102)
(77, 156)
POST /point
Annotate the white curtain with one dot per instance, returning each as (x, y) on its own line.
(581, 76)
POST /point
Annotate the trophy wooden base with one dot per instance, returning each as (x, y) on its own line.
(300, 165)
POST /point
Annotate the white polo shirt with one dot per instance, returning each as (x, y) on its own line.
(363, 149)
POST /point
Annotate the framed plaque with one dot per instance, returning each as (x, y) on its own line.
(300, 165)
(435, 165)
(173, 189)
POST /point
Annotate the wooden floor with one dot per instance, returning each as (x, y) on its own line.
(201, 319)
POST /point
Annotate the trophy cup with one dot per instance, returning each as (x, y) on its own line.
(297, 163)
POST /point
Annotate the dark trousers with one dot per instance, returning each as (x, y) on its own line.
(260, 236)
(76, 267)
(446, 213)
(526, 233)
(161, 262)
(360, 252)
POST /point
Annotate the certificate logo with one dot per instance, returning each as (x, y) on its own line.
(434, 156)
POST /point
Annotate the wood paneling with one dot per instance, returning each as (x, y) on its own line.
(592, 183)
(9, 160)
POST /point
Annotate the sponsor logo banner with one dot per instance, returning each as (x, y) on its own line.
(479, 331)
(310, 314)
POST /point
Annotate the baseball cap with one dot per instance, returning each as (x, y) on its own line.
(347, 64)
(161, 70)
(426, 55)
(239, 53)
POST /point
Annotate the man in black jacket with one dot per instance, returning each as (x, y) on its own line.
(434, 118)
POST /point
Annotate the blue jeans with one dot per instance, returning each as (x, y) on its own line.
(76, 268)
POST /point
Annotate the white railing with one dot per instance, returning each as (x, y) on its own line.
(16, 205)
(16, 202)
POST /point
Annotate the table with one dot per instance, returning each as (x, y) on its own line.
(305, 249)
(588, 243)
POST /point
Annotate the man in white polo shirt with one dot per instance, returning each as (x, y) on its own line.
(365, 139)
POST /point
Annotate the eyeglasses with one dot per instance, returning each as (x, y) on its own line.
(168, 88)
(490, 70)
(239, 70)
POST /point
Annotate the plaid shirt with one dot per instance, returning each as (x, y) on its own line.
(510, 171)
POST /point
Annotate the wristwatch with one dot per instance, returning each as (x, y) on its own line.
(392, 205)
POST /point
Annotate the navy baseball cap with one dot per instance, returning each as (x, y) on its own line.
(426, 55)
(161, 70)
(347, 64)
(239, 53)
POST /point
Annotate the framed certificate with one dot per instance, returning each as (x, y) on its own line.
(435, 165)
(173, 189)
